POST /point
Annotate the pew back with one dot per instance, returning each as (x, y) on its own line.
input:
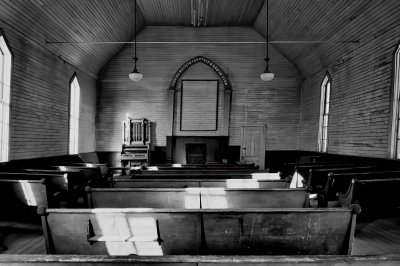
(206, 175)
(31, 189)
(75, 187)
(196, 198)
(181, 183)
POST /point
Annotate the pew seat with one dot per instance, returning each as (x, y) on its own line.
(159, 232)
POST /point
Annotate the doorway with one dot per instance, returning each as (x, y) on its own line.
(253, 145)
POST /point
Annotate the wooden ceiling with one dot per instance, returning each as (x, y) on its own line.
(78, 22)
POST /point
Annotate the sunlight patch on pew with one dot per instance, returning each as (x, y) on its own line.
(62, 168)
(214, 198)
(242, 183)
(265, 176)
(126, 235)
(145, 235)
(192, 198)
(28, 193)
(152, 168)
(65, 176)
(297, 181)
(176, 165)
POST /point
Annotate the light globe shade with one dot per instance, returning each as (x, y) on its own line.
(135, 76)
(267, 76)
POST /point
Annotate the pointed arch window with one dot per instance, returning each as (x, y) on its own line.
(395, 133)
(5, 89)
(74, 115)
(324, 113)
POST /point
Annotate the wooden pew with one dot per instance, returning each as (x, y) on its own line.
(196, 198)
(340, 183)
(295, 231)
(198, 171)
(291, 168)
(21, 190)
(105, 169)
(185, 167)
(181, 183)
(206, 175)
(304, 170)
(76, 183)
(318, 180)
(195, 260)
(93, 175)
(374, 195)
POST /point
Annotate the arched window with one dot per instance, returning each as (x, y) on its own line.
(395, 133)
(5, 87)
(74, 115)
(324, 113)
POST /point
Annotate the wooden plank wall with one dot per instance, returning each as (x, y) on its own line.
(360, 113)
(253, 102)
(40, 100)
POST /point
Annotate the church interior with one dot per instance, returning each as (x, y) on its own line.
(199, 132)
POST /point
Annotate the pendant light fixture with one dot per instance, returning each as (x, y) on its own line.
(267, 76)
(135, 75)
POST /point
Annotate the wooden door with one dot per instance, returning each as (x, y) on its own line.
(253, 145)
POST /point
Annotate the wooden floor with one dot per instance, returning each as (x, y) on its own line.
(373, 237)
(22, 238)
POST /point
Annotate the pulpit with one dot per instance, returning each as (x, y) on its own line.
(136, 141)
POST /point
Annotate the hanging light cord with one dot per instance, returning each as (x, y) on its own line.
(267, 58)
(135, 58)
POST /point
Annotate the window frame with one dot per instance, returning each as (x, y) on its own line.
(5, 150)
(73, 124)
(326, 90)
(394, 142)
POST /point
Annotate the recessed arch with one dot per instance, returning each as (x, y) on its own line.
(171, 99)
(206, 61)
